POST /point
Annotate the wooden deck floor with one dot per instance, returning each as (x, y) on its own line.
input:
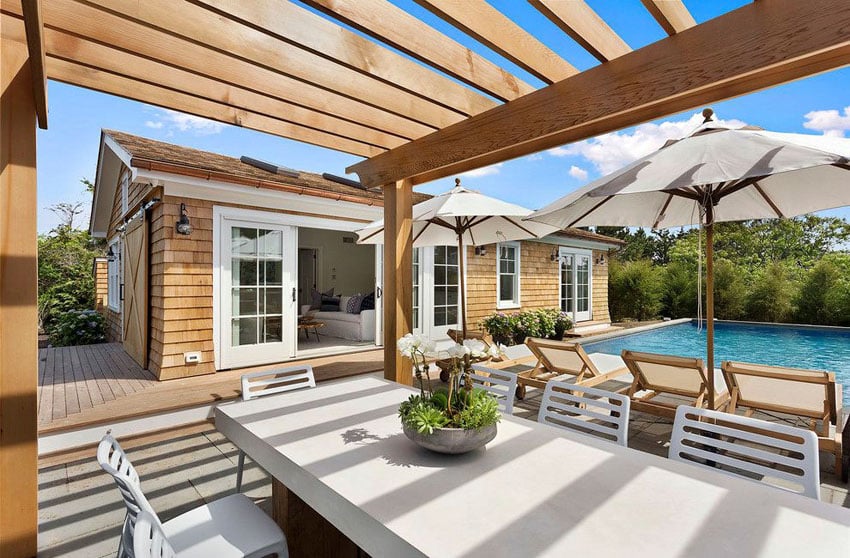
(75, 379)
(93, 384)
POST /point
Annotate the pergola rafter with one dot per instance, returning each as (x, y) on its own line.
(437, 109)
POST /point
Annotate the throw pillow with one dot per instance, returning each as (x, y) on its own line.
(316, 298)
(330, 303)
(368, 302)
(343, 303)
(354, 303)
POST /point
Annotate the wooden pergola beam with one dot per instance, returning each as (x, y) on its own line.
(35, 46)
(115, 84)
(177, 52)
(754, 47)
(136, 68)
(489, 26)
(392, 25)
(304, 29)
(579, 21)
(215, 31)
(672, 15)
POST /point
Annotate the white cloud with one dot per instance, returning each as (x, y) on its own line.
(483, 171)
(830, 122)
(578, 172)
(173, 120)
(610, 152)
(535, 157)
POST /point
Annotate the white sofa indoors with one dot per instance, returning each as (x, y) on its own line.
(356, 327)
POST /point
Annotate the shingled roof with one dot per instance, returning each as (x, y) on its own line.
(196, 162)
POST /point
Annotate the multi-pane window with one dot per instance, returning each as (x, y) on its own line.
(567, 283)
(417, 265)
(257, 286)
(507, 254)
(446, 276)
(113, 276)
(582, 283)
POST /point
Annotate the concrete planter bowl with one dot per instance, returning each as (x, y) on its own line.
(452, 440)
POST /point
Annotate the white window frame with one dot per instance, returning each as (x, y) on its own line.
(114, 276)
(516, 301)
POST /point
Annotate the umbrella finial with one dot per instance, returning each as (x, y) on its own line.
(457, 182)
(707, 114)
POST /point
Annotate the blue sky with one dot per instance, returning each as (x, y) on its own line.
(68, 150)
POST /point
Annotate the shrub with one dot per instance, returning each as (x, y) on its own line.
(679, 290)
(730, 290)
(771, 296)
(634, 290)
(78, 327)
(512, 329)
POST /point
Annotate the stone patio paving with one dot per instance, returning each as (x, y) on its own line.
(80, 511)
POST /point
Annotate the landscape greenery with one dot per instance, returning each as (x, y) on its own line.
(65, 280)
(779, 270)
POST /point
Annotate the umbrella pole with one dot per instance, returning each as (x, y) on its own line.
(709, 302)
(460, 270)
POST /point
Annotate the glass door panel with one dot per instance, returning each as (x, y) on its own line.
(582, 288)
(258, 266)
(575, 282)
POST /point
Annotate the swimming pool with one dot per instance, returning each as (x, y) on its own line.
(801, 347)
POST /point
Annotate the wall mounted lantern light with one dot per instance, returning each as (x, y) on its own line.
(554, 256)
(183, 225)
(481, 250)
(600, 260)
(110, 254)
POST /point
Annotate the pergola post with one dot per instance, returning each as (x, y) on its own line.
(18, 314)
(398, 277)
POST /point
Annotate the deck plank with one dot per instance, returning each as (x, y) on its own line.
(100, 375)
(83, 395)
(92, 386)
(72, 402)
(109, 373)
(59, 386)
(45, 408)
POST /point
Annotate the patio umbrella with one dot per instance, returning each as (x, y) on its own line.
(463, 217)
(715, 174)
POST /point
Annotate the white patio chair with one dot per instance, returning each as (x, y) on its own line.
(748, 447)
(500, 383)
(229, 527)
(148, 539)
(271, 382)
(586, 410)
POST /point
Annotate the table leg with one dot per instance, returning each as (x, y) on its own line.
(308, 534)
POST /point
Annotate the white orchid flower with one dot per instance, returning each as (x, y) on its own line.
(458, 351)
(476, 348)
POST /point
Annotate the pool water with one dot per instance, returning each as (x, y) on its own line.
(800, 347)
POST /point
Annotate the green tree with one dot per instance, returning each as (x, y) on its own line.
(634, 290)
(730, 290)
(770, 298)
(679, 286)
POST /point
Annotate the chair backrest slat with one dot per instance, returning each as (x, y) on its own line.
(277, 380)
(577, 408)
(500, 383)
(114, 461)
(562, 357)
(149, 540)
(747, 447)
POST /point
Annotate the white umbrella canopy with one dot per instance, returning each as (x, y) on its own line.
(481, 220)
(746, 173)
(463, 217)
(715, 174)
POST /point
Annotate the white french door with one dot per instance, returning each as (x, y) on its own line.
(258, 292)
(575, 283)
(440, 291)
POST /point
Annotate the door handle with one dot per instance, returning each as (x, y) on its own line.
(293, 294)
(379, 292)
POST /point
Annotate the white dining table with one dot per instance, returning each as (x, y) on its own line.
(533, 491)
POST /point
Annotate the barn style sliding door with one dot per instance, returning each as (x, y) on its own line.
(135, 304)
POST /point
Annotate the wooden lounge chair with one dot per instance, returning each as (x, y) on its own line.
(810, 395)
(559, 358)
(661, 383)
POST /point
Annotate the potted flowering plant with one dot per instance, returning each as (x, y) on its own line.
(453, 419)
